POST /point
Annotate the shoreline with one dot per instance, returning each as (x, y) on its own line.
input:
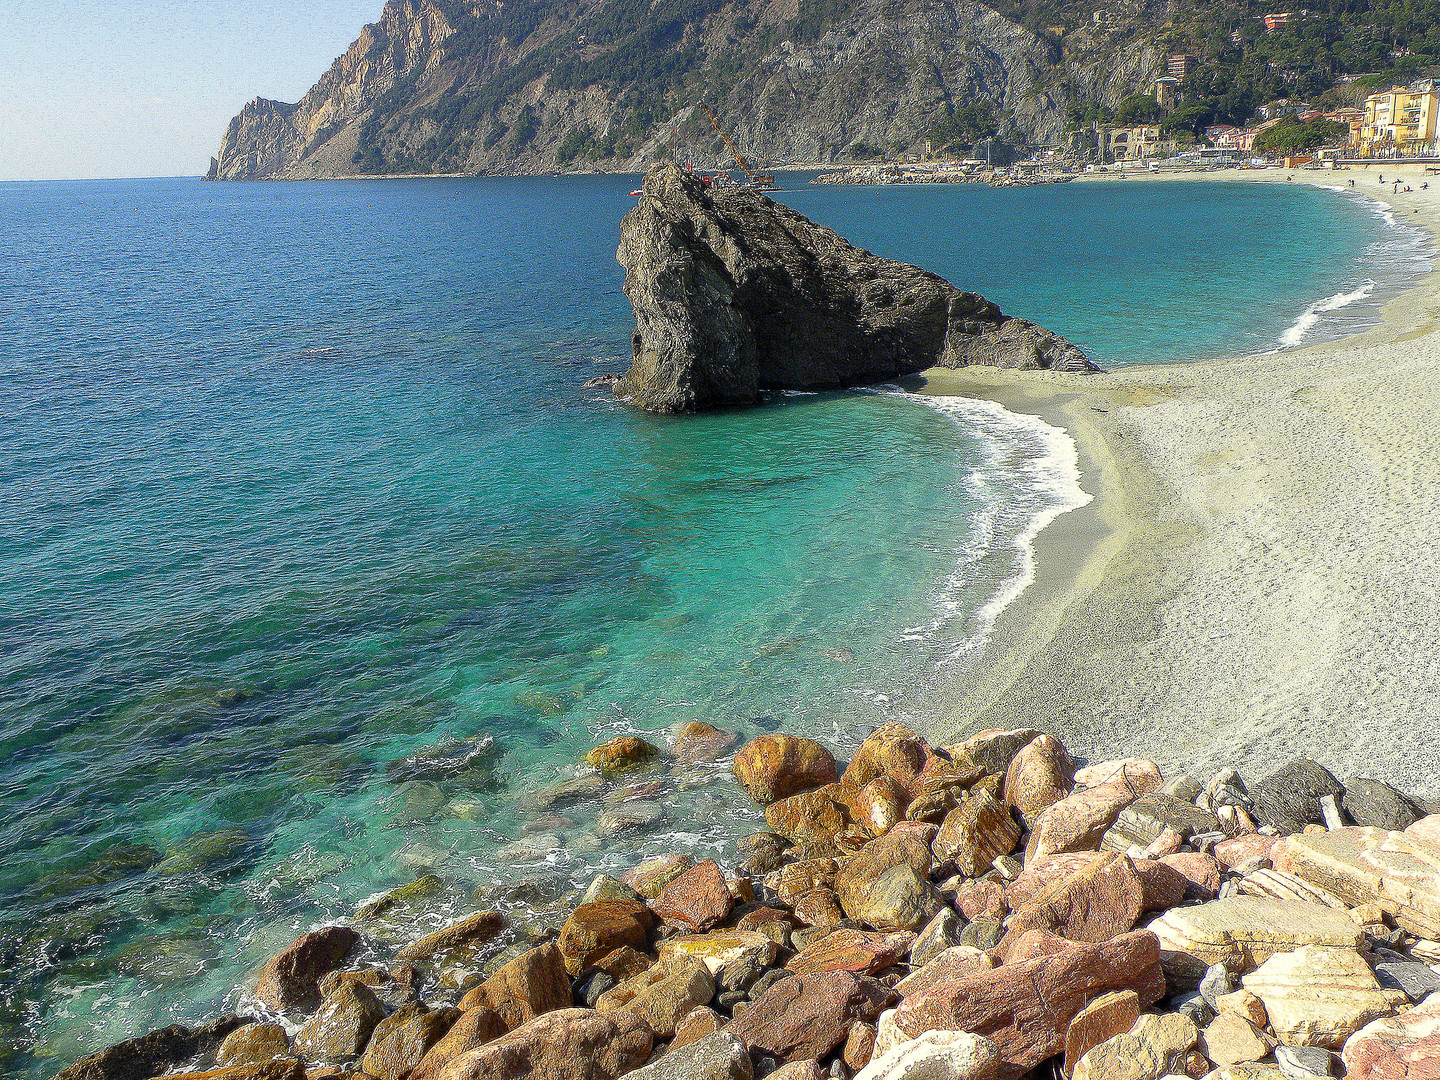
(1194, 612)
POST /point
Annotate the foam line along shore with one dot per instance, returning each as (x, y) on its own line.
(1253, 577)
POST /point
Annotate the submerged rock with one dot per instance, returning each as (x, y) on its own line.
(734, 293)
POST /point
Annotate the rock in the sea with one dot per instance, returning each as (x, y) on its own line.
(697, 741)
(937, 1055)
(697, 900)
(1401, 1047)
(622, 753)
(570, 1044)
(340, 1028)
(1026, 1008)
(152, 1054)
(1394, 870)
(468, 933)
(403, 1039)
(1290, 799)
(291, 980)
(1243, 932)
(533, 983)
(734, 293)
(773, 767)
(253, 1044)
(806, 1016)
(1317, 996)
(1154, 1047)
(649, 877)
(718, 1056)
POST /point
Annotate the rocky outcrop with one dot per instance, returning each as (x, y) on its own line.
(735, 294)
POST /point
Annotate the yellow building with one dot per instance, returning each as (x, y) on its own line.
(1401, 121)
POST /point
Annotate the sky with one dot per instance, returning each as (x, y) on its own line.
(146, 87)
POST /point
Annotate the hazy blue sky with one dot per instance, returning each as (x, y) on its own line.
(146, 87)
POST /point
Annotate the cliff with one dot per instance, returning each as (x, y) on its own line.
(441, 86)
(734, 293)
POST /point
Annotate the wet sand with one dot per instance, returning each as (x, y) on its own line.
(1258, 576)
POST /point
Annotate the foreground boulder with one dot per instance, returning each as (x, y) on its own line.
(152, 1054)
(806, 1016)
(1026, 1008)
(569, 1044)
(291, 980)
(734, 293)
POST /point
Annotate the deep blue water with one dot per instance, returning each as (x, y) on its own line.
(301, 478)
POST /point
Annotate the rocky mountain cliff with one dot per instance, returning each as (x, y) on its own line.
(473, 86)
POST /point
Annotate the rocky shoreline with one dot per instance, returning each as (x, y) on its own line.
(981, 911)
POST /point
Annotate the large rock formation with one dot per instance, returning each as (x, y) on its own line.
(442, 86)
(735, 294)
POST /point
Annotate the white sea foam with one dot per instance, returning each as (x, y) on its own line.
(1029, 475)
(1311, 315)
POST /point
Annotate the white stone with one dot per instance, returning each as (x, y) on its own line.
(936, 1055)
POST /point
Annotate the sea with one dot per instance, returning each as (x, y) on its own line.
(301, 480)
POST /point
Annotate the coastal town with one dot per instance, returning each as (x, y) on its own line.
(1394, 124)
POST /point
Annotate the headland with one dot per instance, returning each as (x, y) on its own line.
(1256, 576)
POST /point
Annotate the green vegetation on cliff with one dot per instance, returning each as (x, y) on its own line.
(450, 85)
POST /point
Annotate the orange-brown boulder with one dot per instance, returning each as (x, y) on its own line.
(807, 1016)
(474, 1029)
(569, 1044)
(291, 980)
(697, 900)
(402, 1040)
(535, 982)
(1040, 775)
(1097, 903)
(594, 929)
(1026, 1009)
(810, 818)
(773, 767)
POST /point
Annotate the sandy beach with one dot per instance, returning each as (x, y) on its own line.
(1258, 576)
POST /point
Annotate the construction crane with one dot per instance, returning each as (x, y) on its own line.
(760, 181)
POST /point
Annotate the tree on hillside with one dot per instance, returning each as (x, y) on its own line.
(1290, 136)
(1192, 119)
(1139, 109)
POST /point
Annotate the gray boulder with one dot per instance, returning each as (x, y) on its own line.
(1290, 799)
(718, 1056)
(735, 294)
(1377, 804)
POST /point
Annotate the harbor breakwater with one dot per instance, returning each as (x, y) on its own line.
(985, 910)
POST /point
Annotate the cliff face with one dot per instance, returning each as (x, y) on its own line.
(534, 85)
(734, 293)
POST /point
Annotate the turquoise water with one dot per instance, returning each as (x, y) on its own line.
(301, 478)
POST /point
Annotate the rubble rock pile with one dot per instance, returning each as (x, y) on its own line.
(989, 910)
